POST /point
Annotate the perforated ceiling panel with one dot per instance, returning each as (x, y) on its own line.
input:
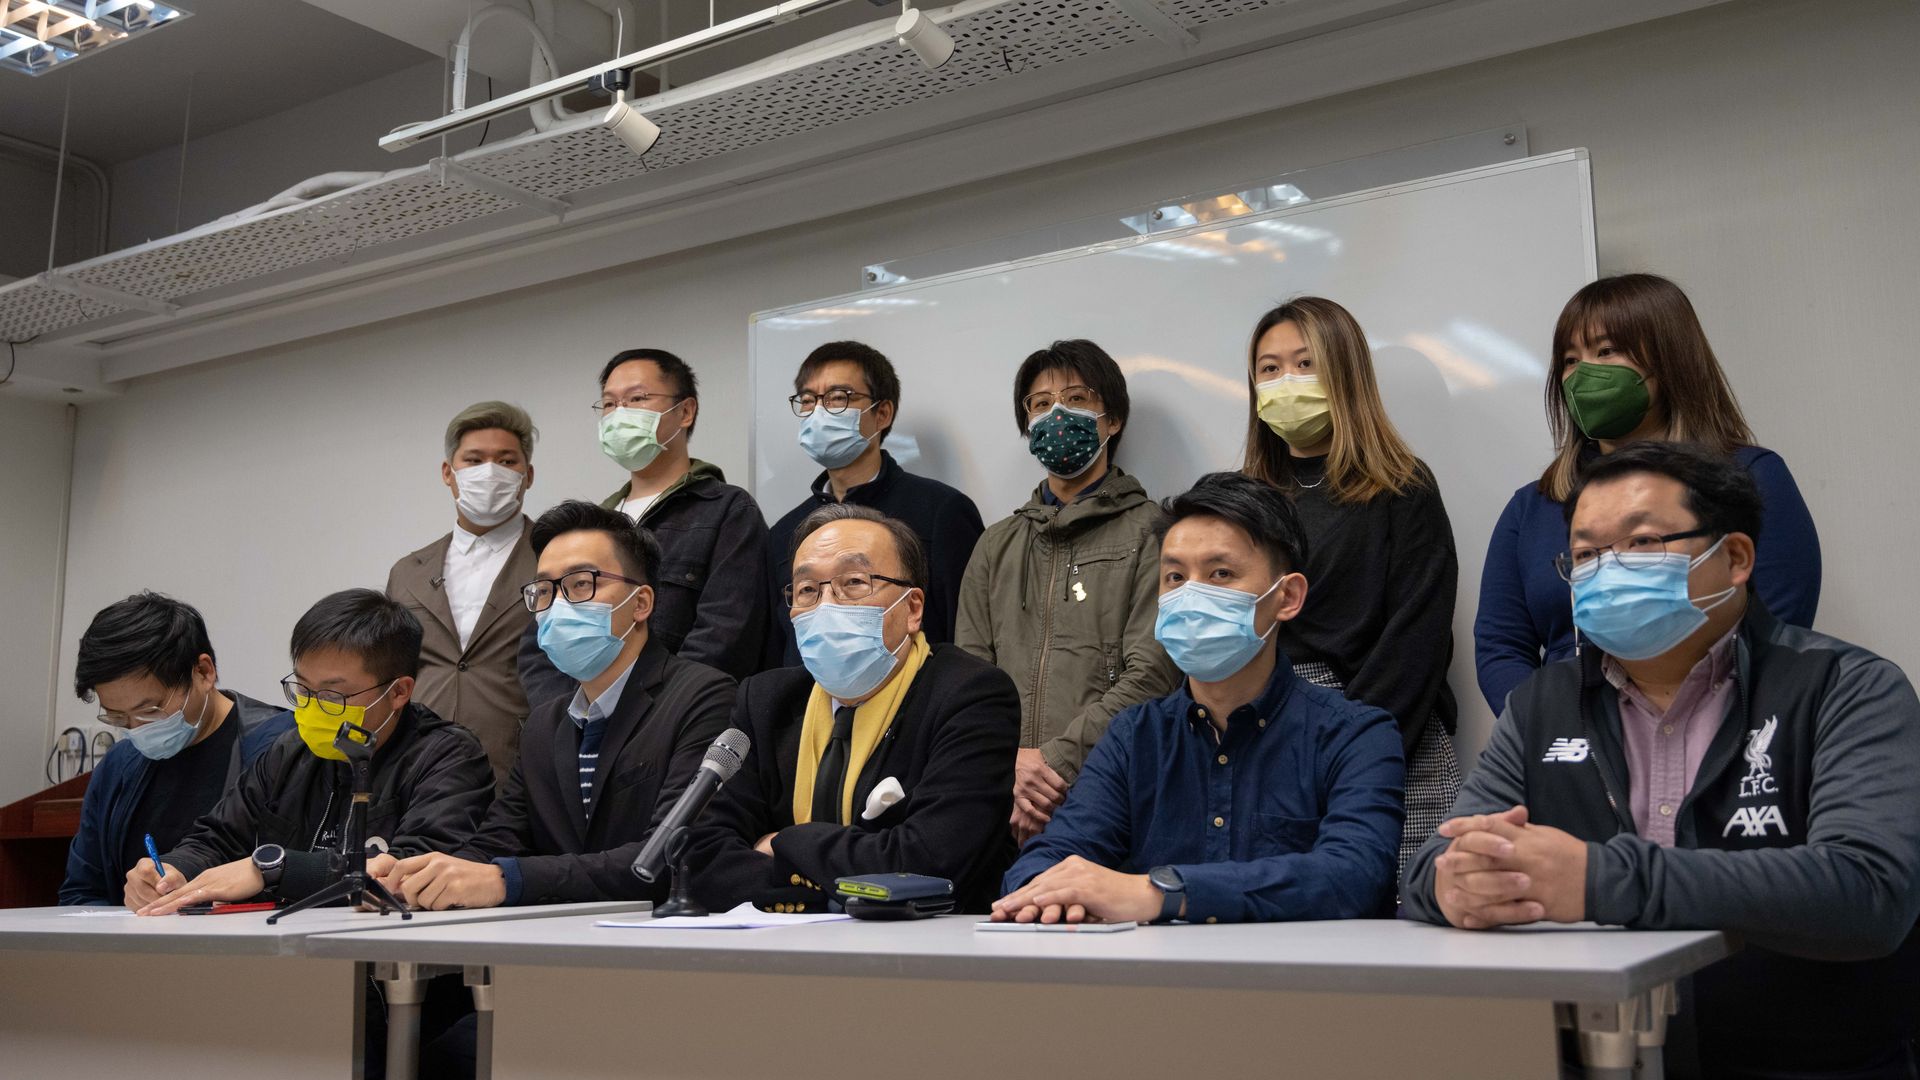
(29, 309)
(1192, 13)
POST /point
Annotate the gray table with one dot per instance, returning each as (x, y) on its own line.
(121, 995)
(1338, 999)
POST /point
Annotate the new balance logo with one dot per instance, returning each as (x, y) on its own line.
(1570, 750)
(1754, 820)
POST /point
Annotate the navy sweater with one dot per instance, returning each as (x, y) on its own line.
(1526, 608)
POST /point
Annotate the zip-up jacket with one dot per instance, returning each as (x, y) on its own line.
(1063, 599)
(1800, 835)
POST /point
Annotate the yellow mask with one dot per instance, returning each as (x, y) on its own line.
(1296, 408)
(318, 729)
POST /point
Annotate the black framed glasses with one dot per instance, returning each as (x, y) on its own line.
(138, 718)
(636, 400)
(1073, 397)
(852, 585)
(332, 702)
(1640, 551)
(577, 587)
(834, 401)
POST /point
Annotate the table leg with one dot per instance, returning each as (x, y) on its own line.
(1622, 1040)
(479, 981)
(405, 986)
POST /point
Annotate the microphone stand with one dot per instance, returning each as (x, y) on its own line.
(680, 899)
(354, 886)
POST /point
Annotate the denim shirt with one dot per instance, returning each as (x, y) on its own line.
(1293, 813)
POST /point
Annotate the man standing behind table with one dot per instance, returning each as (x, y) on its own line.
(711, 607)
(464, 588)
(847, 397)
(1703, 765)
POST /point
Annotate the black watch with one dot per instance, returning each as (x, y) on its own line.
(1170, 883)
(270, 860)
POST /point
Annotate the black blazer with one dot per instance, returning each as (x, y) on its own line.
(951, 747)
(669, 712)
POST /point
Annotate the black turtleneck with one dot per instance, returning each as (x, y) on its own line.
(1381, 577)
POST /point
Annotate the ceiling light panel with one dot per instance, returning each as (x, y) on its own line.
(37, 36)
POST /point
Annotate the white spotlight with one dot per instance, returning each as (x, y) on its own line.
(924, 36)
(638, 132)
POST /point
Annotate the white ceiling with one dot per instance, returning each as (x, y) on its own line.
(246, 59)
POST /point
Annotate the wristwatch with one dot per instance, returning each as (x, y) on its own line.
(270, 859)
(1169, 882)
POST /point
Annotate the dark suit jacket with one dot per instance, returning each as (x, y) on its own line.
(951, 746)
(669, 712)
(478, 686)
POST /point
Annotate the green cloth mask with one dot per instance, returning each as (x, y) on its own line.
(1606, 400)
(628, 436)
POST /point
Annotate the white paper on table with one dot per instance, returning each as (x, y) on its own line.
(96, 912)
(744, 917)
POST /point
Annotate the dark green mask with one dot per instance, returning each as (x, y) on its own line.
(1606, 400)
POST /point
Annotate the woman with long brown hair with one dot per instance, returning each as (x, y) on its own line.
(1380, 565)
(1630, 362)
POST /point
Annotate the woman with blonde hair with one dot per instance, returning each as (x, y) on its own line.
(1380, 565)
(1630, 362)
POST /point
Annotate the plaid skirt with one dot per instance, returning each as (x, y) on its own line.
(1433, 776)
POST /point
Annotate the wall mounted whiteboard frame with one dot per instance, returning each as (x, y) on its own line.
(1457, 279)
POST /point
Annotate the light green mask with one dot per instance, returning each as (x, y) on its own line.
(1606, 400)
(628, 436)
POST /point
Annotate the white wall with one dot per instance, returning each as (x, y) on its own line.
(1760, 152)
(33, 486)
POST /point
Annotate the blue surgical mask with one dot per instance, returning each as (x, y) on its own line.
(579, 638)
(1639, 612)
(1066, 441)
(845, 647)
(161, 739)
(833, 440)
(1208, 630)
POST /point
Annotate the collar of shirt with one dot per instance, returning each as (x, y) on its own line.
(1713, 669)
(867, 491)
(1252, 716)
(583, 712)
(495, 539)
(1048, 497)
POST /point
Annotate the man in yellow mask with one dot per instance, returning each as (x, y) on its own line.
(278, 833)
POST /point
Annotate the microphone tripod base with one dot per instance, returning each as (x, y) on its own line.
(356, 889)
(680, 899)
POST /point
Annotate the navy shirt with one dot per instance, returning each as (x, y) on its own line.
(1293, 814)
(1526, 611)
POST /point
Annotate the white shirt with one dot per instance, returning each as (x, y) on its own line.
(637, 505)
(473, 563)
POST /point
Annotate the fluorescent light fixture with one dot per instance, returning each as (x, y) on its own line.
(37, 36)
(625, 121)
(924, 36)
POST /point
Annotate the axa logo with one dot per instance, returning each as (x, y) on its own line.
(1569, 750)
(1755, 820)
(1759, 778)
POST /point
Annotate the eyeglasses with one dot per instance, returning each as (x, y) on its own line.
(636, 400)
(834, 401)
(852, 585)
(577, 587)
(1640, 551)
(129, 721)
(1073, 397)
(332, 702)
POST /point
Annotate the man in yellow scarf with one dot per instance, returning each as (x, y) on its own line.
(882, 754)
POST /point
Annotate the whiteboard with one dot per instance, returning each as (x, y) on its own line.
(1457, 279)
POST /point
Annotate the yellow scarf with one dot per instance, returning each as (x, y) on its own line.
(871, 719)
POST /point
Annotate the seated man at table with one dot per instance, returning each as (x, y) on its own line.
(597, 771)
(148, 663)
(280, 829)
(1704, 766)
(882, 754)
(1247, 794)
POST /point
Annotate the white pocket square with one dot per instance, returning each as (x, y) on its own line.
(884, 794)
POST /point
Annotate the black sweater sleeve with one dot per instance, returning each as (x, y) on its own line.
(1405, 670)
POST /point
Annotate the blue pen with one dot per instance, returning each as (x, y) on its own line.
(154, 854)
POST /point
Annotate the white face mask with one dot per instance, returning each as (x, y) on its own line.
(488, 494)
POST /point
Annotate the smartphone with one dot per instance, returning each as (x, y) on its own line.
(227, 909)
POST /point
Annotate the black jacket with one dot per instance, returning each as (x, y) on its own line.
(945, 520)
(669, 712)
(710, 604)
(951, 746)
(431, 786)
(1801, 835)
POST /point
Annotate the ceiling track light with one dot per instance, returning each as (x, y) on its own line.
(916, 31)
(632, 128)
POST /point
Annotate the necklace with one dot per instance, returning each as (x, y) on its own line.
(1310, 487)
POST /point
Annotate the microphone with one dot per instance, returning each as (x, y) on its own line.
(723, 759)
